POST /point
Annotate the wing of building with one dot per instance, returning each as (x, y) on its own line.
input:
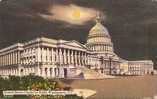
(68, 59)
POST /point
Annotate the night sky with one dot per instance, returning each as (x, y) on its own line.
(132, 24)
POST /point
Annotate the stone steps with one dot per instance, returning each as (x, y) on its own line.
(85, 73)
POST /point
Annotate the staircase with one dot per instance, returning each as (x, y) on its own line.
(86, 73)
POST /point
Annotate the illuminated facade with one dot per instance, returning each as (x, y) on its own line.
(140, 67)
(60, 58)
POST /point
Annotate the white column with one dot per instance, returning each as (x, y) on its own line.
(82, 58)
(43, 55)
(52, 56)
(8, 58)
(48, 55)
(38, 54)
(72, 57)
(27, 57)
(18, 57)
(65, 57)
(15, 57)
(11, 58)
(60, 56)
(5, 59)
(61, 72)
(79, 56)
(68, 57)
(53, 72)
(48, 72)
(1, 61)
(85, 58)
(56, 54)
(75, 56)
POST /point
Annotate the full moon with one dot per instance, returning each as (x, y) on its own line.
(71, 14)
(76, 14)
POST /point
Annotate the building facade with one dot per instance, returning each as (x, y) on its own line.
(140, 67)
(60, 58)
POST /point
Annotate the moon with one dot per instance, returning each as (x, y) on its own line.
(76, 14)
(72, 14)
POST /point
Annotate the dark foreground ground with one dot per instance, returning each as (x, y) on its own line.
(135, 87)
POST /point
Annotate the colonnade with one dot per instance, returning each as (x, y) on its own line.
(61, 56)
(28, 70)
(99, 47)
(9, 71)
(10, 58)
(50, 72)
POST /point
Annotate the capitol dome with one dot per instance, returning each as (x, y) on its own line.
(99, 39)
(99, 29)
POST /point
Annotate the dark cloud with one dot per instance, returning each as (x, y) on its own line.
(131, 23)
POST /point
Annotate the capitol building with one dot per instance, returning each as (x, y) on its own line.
(52, 58)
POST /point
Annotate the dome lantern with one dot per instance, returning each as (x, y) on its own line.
(98, 18)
